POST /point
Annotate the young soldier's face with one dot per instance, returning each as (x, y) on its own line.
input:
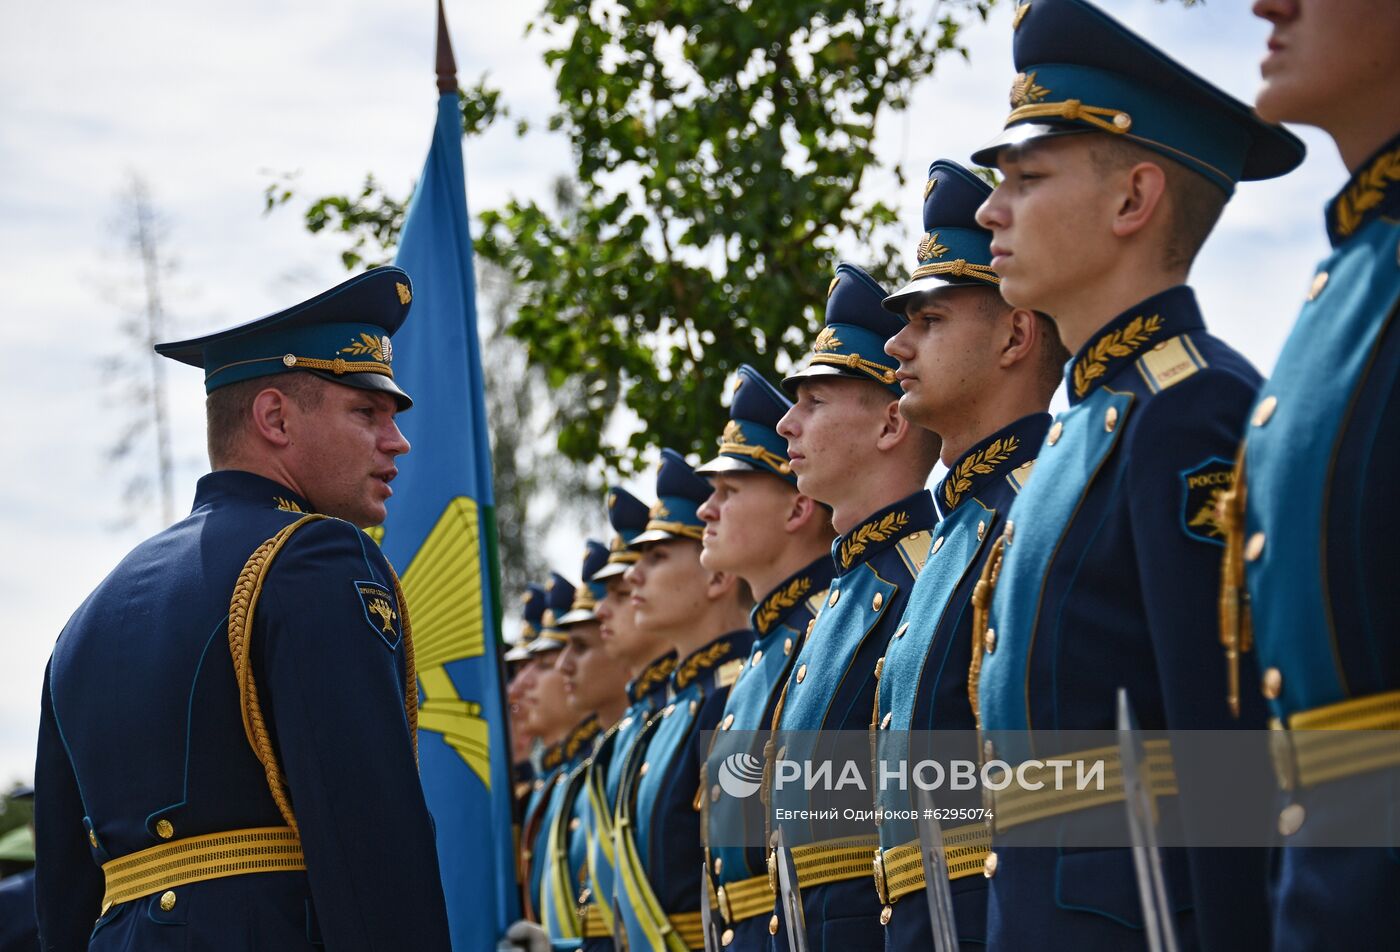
(832, 431)
(592, 678)
(948, 355)
(1328, 60)
(744, 522)
(669, 585)
(1051, 220)
(617, 621)
(546, 710)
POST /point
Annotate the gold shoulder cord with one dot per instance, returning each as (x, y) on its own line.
(981, 614)
(1236, 627)
(240, 642)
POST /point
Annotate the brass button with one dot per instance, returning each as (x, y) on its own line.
(989, 751)
(989, 640)
(714, 798)
(164, 830)
(1319, 282)
(1265, 410)
(899, 632)
(877, 601)
(539, 784)
(1254, 547)
(1290, 821)
(879, 668)
(981, 529)
(782, 755)
(937, 544)
(92, 838)
(167, 900)
(573, 825)
(727, 937)
(694, 706)
(757, 657)
(885, 915)
(1008, 532)
(885, 721)
(1110, 419)
(728, 721)
(773, 925)
(1273, 683)
(666, 712)
(801, 673)
(719, 865)
(810, 625)
(1053, 436)
(989, 865)
(835, 597)
(643, 771)
(787, 642)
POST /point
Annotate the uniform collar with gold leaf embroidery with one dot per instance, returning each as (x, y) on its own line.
(1374, 191)
(1012, 446)
(551, 757)
(1122, 340)
(787, 597)
(576, 743)
(882, 530)
(733, 646)
(250, 488)
(652, 677)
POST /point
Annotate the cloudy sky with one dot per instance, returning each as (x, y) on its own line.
(209, 101)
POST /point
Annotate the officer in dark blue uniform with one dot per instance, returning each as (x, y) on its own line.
(1116, 162)
(517, 658)
(651, 664)
(595, 684)
(758, 526)
(704, 615)
(1310, 579)
(980, 374)
(851, 449)
(241, 682)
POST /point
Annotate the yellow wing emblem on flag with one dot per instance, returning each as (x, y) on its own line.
(442, 586)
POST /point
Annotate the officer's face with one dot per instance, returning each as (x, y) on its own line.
(618, 624)
(948, 354)
(1052, 198)
(341, 453)
(745, 517)
(1330, 62)
(669, 586)
(547, 711)
(832, 430)
(592, 678)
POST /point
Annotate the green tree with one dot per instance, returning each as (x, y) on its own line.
(720, 147)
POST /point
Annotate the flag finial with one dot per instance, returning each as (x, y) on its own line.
(446, 62)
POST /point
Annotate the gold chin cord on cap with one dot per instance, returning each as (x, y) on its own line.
(1109, 120)
(856, 362)
(1236, 627)
(759, 453)
(959, 268)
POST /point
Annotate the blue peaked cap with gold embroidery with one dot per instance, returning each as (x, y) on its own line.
(628, 517)
(341, 334)
(532, 605)
(954, 249)
(852, 344)
(750, 443)
(587, 595)
(1079, 70)
(558, 599)
(679, 495)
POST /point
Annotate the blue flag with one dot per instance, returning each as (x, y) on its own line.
(441, 535)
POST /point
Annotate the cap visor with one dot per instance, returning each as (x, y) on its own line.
(611, 570)
(521, 653)
(546, 643)
(656, 535)
(377, 382)
(1020, 134)
(820, 370)
(900, 299)
(576, 616)
(727, 464)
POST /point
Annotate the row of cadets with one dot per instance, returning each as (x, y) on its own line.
(1309, 576)
(852, 450)
(594, 684)
(1116, 162)
(760, 527)
(703, 615)
(980, 373)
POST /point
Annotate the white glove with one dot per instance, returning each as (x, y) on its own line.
(528, 936)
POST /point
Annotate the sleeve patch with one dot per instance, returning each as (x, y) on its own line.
(1202, 488)
(381, 611)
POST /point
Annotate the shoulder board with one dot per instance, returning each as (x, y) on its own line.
(729, 672)
(914, 549)
(1169, 363)
(1018, 476)
(817, 601)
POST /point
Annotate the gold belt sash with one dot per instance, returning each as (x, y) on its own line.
(828, 861)
(1018, 805)
(271, 849)
(744, 899)
(593, 925)
(1309, 752)
(899, 870)
(688, 926)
